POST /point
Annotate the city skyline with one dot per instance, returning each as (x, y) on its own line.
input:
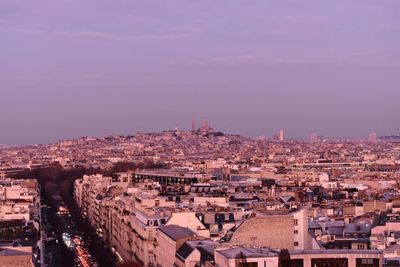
(277, 135)
(78, 69)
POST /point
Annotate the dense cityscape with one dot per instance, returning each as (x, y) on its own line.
(212, 133)
(201, 198)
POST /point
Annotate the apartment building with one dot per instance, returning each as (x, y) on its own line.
(19, 221)
(126, 217)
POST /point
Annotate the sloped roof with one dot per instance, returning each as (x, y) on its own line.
(11, 251)
(184, 251)
(205, 247)
(176, 232)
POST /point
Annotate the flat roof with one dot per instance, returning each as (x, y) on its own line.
(336, 251)
(254, 252)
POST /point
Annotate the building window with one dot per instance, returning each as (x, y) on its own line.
(296, 232)
(330, 262)
(367, 262)
(247, 264)
(295, 222)
(296, 244)
(297, 263)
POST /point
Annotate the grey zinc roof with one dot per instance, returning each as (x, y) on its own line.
(176, 232)
(205, 247)
(184, 251)
(13, 252)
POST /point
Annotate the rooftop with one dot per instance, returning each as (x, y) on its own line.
(176, 232)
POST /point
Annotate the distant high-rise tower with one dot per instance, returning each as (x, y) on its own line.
(313, 138)
(193, 125)
(372, 138)
(281, 135)
(204, 125)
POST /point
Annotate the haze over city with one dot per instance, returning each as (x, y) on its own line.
(80, 68)
(211, 133)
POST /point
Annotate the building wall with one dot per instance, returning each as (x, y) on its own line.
(307, 257)
(266, 231)
(14, 211)
(371, 206)
(165, 250)
(300, 231)
(203, 201)
(189, 220)
(389, 226)
(359, 210)
(142, 241)
(349, 210)
(13, 192)
(352, 257)
(16, 261)
(221, 261)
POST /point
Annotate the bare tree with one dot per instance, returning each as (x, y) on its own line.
(129, 264)
(284, 258)
(240, 259)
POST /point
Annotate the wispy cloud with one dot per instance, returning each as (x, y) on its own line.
(234, 58)
(19, 30)
(366, 58)
(227, 59)
(98, 34)
(121, 37)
